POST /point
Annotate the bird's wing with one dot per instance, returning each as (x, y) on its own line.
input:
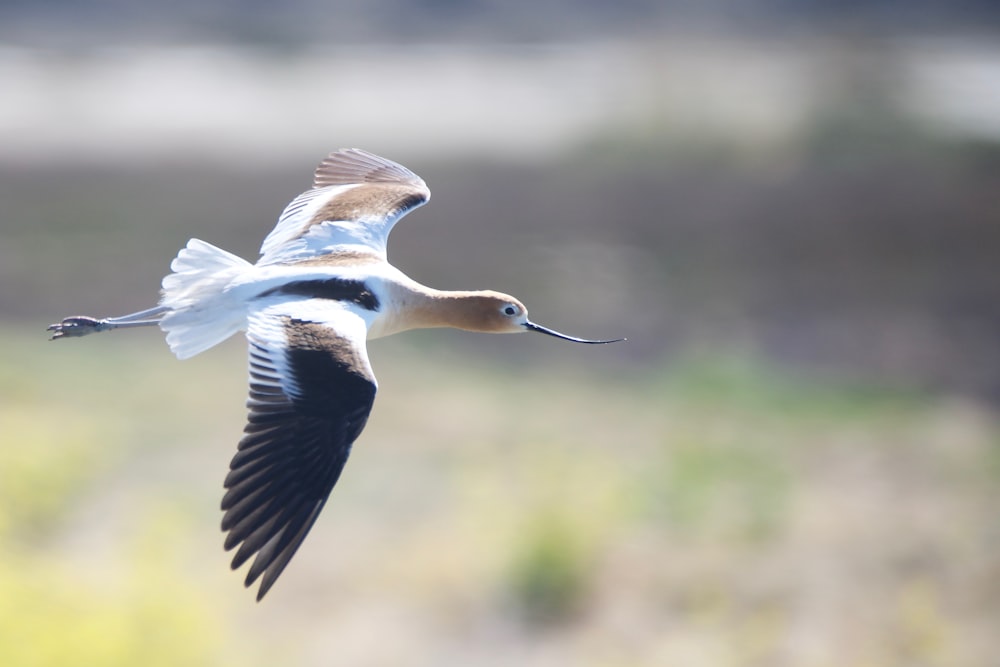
(311, 390)
(356, 199)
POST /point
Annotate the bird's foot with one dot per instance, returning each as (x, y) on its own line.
(74, 327)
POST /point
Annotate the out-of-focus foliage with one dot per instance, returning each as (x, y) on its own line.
(40, 476)
(713, 512)
(54, 612)
(60, 602)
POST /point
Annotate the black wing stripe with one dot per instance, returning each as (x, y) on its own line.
(334, 289)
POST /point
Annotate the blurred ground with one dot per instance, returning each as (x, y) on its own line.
(883, 270)
(793, 461)
(705, 513)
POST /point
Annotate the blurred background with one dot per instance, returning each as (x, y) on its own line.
(792, 210)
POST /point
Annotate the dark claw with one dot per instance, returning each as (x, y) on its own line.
(74, 327)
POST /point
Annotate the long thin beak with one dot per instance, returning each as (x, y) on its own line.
(531, 326)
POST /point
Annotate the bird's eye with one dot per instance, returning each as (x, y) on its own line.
(510, 310)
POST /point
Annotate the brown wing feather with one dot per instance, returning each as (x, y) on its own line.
(355, 200)
(352, 166)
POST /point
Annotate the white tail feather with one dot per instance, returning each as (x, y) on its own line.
(200, 314)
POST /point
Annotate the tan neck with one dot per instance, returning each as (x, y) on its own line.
(421, 307)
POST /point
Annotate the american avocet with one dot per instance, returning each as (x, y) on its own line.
(321, 287)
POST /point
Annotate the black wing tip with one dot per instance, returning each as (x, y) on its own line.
(265, 586)
(253, 575)
(251, 579)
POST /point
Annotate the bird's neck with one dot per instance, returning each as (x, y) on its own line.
(420, 307)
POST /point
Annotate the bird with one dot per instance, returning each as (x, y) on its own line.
(322, 287)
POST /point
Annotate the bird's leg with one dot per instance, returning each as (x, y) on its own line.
(81, 325)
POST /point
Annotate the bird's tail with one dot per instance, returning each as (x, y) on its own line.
(200, 314)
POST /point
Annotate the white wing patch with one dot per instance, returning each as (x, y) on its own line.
(295, 219)
(267, 331)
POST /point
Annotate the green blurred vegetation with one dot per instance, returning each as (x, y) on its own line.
(705, 511)
(54, 614)
(66, 597)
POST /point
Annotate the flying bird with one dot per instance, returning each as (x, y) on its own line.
(322, 286)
